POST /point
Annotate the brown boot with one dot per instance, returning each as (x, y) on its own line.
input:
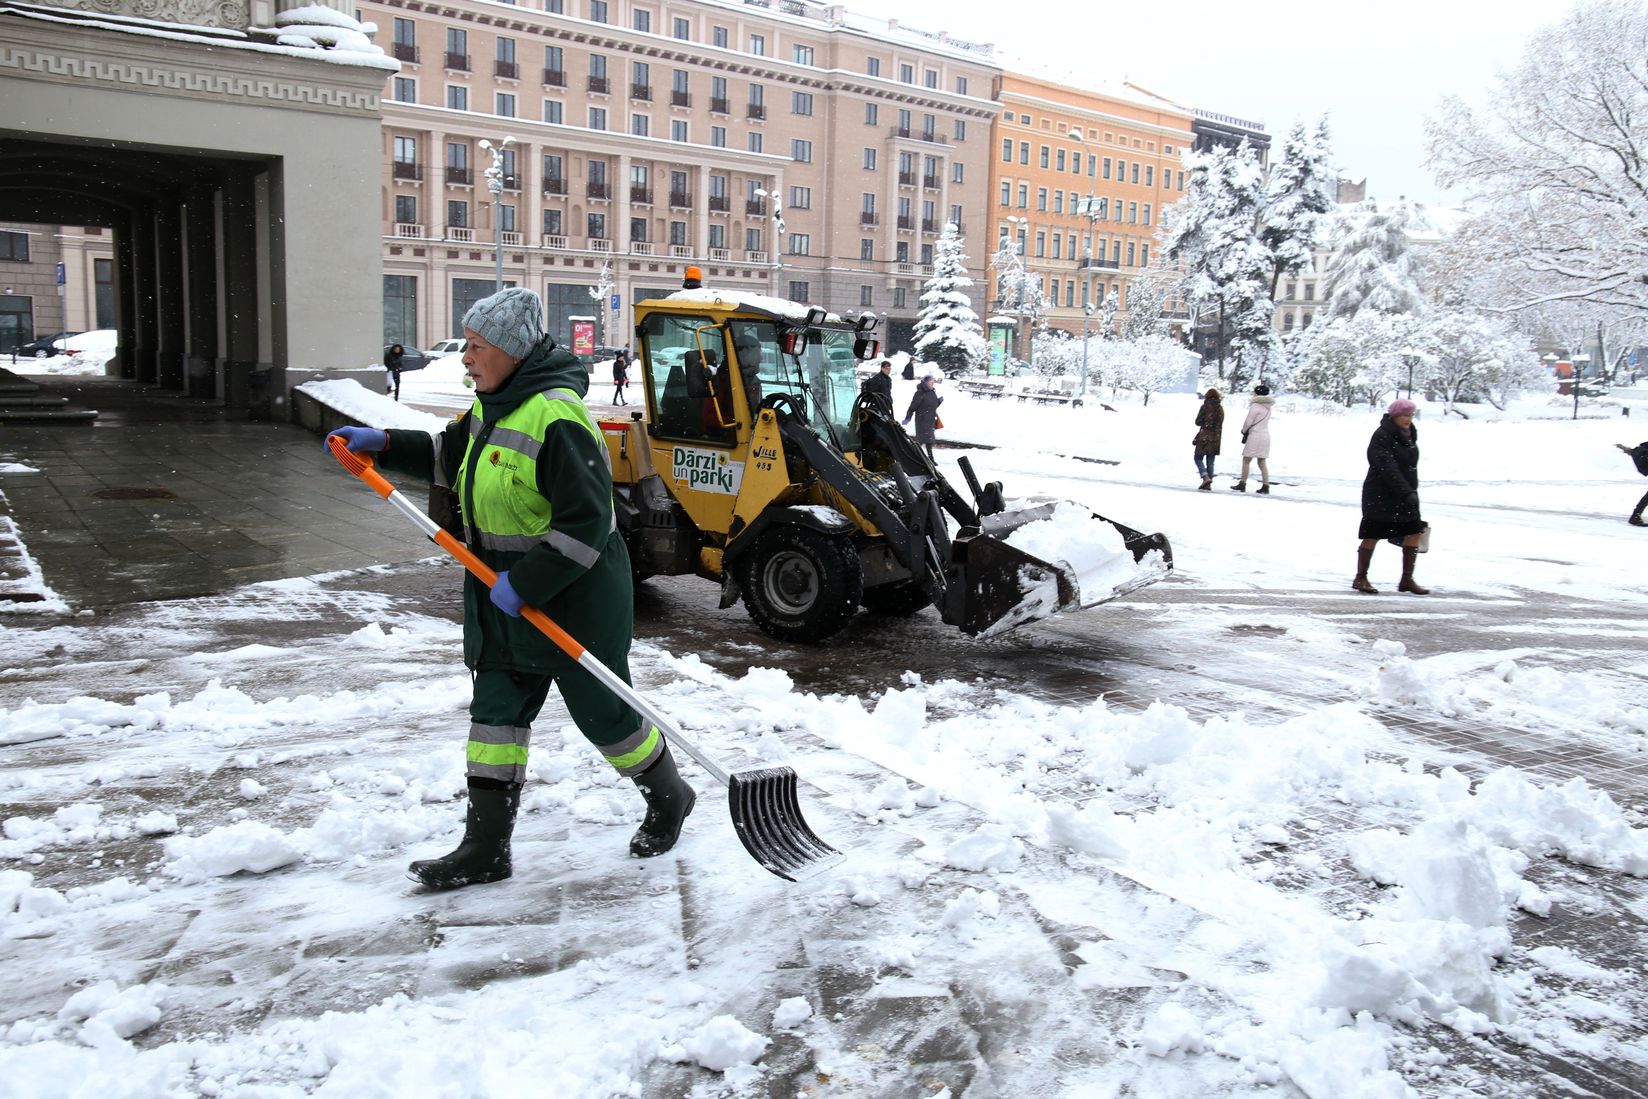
(1410, 554)
(1364, 556)
(1206, 485)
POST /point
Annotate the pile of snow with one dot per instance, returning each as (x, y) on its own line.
(1093, 548)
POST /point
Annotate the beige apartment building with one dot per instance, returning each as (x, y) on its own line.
(785, 147)
(1059, 144)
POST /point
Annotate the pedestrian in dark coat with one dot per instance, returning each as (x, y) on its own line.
(392, 360)
(620, 377)
(1639, 455)
(1390, 496)
(1210, 422)
(880, 384)
(924, 409)
(530, 466)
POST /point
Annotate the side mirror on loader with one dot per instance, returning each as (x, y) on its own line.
(866, 348)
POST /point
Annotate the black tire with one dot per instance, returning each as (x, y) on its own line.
(800, 584)
(896, 600)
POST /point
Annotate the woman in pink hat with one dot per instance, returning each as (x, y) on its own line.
(1390, 496)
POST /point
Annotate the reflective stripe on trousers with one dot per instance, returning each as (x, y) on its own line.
(498, 751)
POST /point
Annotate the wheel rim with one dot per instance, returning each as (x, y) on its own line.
(790, 583)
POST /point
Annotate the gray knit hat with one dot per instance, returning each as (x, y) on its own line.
(511, 320)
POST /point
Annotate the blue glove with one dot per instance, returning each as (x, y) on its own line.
(358, 439)
(504, 597)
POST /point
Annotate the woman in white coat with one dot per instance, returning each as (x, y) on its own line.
(1256, 438)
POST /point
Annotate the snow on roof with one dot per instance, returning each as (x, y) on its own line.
(331, 37)
(737, 299)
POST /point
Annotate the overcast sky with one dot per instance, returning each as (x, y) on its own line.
(1376, 76)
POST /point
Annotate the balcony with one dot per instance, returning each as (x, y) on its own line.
(680, 251)
(869, 217)
(597, 190)
(906, 179)
(555, 185)
(459, 176)
(720, 255)
(463, 234)
(600, 85)
(719, 106)
(1100, 264)
(640, 248)
(752, 255)
(929, 225)
(720, 204)
(680, 200)
(458, 62)
(755, 207)
(680, 98)
(554, 78)
(402, 169)
(407, 229)
(404, 51)
(906, 221)
(640, 91)
(508, 70)
(924, 135)
(510, 239)
(553, 240)
(596, 244)
(931, 183)
(755, 111)
(643, 195)
(904, 268)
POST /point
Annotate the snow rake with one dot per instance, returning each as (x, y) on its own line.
(766, 813)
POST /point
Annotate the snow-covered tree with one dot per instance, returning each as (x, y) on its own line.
(1465, 355)
(947, 330)
(1055, 353)
(1146, 293)
(601, 292)
(1555, 163)
(1298, 197)
(1018, 292)
(1213, 233)
(1373, 265)
(1149, 365)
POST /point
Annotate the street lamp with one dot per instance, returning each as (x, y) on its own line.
(1017, 228)
(1408, 356)
(778, 228)
(495, 187)
(1089, 208)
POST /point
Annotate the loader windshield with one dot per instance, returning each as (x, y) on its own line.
(822, 377)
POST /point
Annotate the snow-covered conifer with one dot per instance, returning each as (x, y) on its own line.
(947, 329)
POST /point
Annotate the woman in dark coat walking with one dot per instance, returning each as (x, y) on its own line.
(1390, 496)
(392, 359)
(924, 407)
(1210, 420)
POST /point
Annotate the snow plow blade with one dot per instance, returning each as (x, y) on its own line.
(995, 586)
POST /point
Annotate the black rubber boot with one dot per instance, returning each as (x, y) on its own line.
(483, 855)
(669, 800)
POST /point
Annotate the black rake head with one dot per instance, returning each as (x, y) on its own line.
(767, 816)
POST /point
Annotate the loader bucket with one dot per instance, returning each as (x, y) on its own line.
(996, 585)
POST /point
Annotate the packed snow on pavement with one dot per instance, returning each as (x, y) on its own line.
(208, 818)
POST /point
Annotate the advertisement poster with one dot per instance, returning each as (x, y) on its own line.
(583, 337)
(998, 349)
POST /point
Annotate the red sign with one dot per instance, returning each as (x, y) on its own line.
(583, 337)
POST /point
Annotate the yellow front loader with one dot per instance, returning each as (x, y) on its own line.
(758, 465)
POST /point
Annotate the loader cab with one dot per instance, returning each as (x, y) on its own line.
(814, 366)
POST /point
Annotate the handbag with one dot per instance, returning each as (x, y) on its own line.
(1244, 435)
(937, 423)
(1424, 543)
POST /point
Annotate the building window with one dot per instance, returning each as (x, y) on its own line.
(866, 295)
(907, 74)
(1058, 161)
(1131, 245)
(801, 198)
(552, 223)
(1058, 202)
(802, 55)
(678, 233)
(1132, 213)
(1041, 244)
(1024, 196)
(1024, 152)
(638, 124)
(406, 209)
(718, 37)
(682, 29)
(961, 129)
(457, 98)
(406, 90)
(872, 114)
(866, 249)
(801, 244)
(930, 78)
(556, 7)
(400, 309)
(1135, 171)
(869, 160)
(1144, 254)
(1058, 242)
(1041, 199)
(596, 226)
(638, 229)
(758, 44)
(958, 172)
(1106, 167)
(678, 129)
(801, 150)
(718, 136)
(1147, 213)
(872, 66)
(553, 111)
(406, 152)
(406, 34)
(961, 85)
(752, 238)
(506, 217)
(798, 291)
(754, 142)
(506, 105)
(898, 297)
(597, 11)
(1007, 150)
(457, 48)
(642, 20)
(801, 103)
(597, 118)
(457, 213)
(1149, 175)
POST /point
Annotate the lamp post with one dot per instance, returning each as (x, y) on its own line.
(1016, 227)
(1581, 361)
(1088, 207)
(778, 230)
(495, 187)
(1408, 356)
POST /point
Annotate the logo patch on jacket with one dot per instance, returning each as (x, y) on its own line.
(495, 457)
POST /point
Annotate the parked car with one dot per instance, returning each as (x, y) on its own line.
(44, 347)
(100, 341)
(411, 357)
(453, 346)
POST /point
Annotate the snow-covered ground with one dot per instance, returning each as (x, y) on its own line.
(210, 803)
